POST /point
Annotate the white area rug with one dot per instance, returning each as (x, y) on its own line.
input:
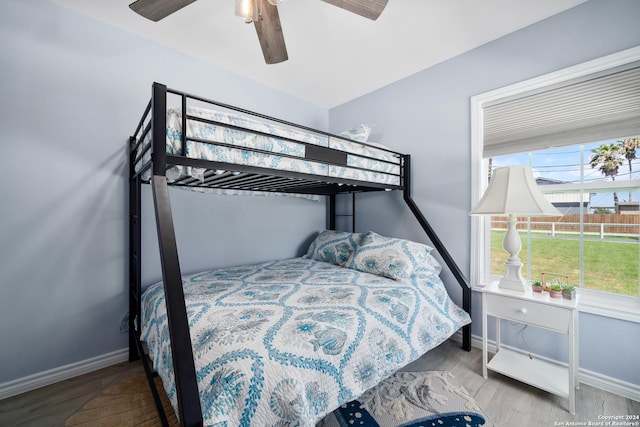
(412, 399)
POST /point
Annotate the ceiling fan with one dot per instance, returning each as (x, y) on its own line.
(263, 14)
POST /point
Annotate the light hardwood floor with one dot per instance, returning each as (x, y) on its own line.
(507, 402)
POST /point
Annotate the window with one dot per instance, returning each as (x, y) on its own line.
(596, 241)
(570, 127)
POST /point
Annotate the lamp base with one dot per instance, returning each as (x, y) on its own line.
(511, 284)
(512, 278)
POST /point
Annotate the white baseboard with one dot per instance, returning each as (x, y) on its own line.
(612, 385)
(32, 382)
(585, 376)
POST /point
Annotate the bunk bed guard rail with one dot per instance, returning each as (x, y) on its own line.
(153, 160)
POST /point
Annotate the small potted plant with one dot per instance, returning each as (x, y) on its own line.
(536, 285)
(555, 291)
(568, 292)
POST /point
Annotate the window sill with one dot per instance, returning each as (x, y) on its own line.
(602, 304)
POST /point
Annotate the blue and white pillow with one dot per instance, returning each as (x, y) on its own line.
(334, 247)
(396, 259)
(358, 133)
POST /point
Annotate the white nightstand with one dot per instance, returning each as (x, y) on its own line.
(555, 314)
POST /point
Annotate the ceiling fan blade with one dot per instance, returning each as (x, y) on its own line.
(270, 33)
(368, 8)
(155, 10)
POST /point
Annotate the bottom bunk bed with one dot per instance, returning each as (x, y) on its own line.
(284, 343)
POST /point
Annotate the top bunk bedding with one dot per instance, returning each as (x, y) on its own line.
(237, 145)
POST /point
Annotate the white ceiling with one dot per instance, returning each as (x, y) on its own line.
(334, 55)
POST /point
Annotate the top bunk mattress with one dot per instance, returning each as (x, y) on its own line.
(230, 138)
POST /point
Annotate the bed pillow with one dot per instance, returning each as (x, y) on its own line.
(397, 259)
(358, 133)
(434, 264)
(335, 247)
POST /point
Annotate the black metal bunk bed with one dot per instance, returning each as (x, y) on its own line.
(153, 127)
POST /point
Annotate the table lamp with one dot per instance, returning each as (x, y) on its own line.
(513, 192)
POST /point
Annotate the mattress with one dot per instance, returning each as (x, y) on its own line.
(245, 141)
(284, 343)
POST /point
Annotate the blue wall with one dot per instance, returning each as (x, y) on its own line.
(428, 115)
(72, 92)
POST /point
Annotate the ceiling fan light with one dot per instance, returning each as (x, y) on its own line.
(275, 2)
(247, 9)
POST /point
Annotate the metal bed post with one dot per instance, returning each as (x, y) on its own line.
(333, 215)
(442, 250)
(353, 212)
(332, 211)
(136, 349)
(183, 365)
(134, 255)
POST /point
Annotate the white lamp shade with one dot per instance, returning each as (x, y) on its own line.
(513, 191)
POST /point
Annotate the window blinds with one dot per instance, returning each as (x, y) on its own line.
(593, 108)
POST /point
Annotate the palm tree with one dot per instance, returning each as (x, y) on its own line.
(628, 147)
(608, 159)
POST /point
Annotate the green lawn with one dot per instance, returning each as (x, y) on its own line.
(609, 266)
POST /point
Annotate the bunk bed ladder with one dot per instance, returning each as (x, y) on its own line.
(442, 250)
(183, 364)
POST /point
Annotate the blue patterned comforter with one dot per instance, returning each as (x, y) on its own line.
(235, 145)
(284, 343)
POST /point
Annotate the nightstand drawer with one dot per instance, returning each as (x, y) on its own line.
(533, 313)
